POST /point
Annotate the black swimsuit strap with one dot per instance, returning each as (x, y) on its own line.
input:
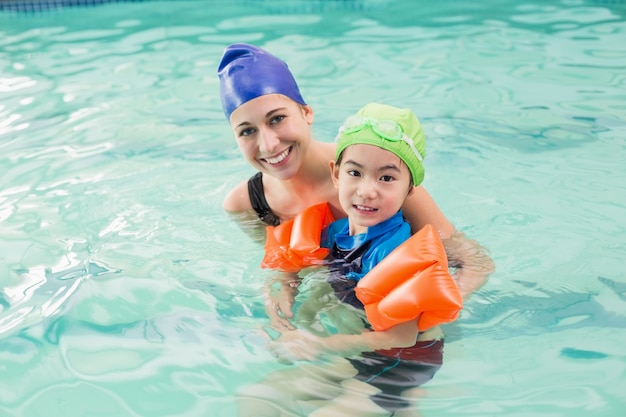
(258, 201)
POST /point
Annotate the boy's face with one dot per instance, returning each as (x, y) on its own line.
(372, 183)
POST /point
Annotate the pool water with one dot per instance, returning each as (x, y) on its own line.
(126, 291)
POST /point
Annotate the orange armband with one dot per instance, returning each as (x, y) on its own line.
(295, 244)
(412, 282)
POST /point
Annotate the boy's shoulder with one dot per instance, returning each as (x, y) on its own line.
(330, 233)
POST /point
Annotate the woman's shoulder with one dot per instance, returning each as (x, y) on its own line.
(237, 199)
(327, 148)
(420, 209)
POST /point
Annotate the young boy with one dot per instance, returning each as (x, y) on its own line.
(378, 163)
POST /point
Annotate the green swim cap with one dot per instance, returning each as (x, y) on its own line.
(390, 128)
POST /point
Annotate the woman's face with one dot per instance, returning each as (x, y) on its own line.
(273, 133)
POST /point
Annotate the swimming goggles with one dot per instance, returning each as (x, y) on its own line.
(386, 129)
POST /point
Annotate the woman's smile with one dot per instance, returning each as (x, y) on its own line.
(276, 160)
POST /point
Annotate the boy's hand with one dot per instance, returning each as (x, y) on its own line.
(279, 309)
(296, 345)
(280, 294)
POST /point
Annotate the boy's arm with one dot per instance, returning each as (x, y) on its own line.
(300, 345)
(280, 291)
(280, 294)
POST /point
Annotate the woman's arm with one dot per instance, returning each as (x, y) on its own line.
(420, 209)
(237, 205)
(471, 260)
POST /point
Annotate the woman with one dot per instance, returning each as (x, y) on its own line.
(272, 125)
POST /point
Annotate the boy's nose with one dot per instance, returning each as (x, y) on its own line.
(367, 189)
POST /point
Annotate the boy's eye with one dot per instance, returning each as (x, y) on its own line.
(386, 178)
(354, 173)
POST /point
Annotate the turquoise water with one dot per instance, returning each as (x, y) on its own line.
(126, 291)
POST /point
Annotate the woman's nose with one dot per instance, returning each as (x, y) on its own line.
(268, 141)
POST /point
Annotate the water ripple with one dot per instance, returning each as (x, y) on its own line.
(126, 289)
(43, 292)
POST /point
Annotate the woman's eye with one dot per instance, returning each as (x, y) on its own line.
(276, 119)
(247, 132)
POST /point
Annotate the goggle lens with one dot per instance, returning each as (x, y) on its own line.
(387, 129)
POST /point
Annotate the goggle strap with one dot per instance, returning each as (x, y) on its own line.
(406, 139)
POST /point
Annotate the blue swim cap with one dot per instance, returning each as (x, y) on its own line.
(247, 72)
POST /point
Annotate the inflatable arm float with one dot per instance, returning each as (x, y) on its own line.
(412, 282)
(295, 244)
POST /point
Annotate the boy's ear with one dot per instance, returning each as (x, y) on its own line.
(334, 172)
